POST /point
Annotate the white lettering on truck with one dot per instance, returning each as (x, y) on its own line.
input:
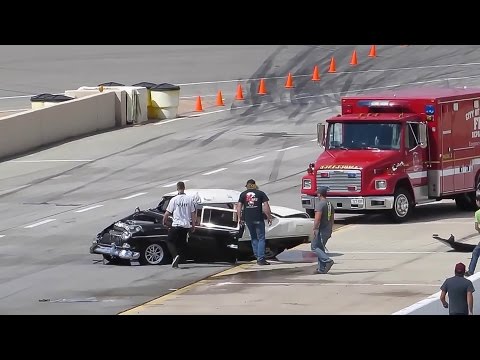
(475, 113)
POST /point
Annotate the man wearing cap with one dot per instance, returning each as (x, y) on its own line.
(460, 293)
(322, 230)
(253, 202)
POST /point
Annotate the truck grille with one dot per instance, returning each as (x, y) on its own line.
(340, 180)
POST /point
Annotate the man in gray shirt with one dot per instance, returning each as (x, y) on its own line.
(322, 230)
(460, 293)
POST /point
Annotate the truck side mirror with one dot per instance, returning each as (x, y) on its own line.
(320, 134)
(423, 135)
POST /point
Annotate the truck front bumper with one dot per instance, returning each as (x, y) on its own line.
(353, 203)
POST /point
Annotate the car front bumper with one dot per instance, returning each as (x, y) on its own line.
(114, 251)
(353, 203)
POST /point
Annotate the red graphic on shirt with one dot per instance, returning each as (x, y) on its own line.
(250, 198)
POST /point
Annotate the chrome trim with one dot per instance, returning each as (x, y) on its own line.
(420, 193)
(368, 202)
(346, 202)
(114, 251)
(308, 201)
(338, 180)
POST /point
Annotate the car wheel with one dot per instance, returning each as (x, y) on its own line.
(153, 254)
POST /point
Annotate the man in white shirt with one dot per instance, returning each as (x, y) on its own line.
(183, 211)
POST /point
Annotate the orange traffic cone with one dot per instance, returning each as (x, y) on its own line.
(316, 75)
(219, 99)
(198, 105)
(373, 51)
(289, 83)
(262, 89)
(332, 68)
(354, 62)
(239, 93)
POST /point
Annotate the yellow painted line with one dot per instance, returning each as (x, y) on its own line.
(160, 300)
(180, 291)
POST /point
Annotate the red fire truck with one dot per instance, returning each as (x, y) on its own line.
(391, 151)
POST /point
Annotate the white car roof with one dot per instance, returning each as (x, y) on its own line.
(284, 211)
(212, 196)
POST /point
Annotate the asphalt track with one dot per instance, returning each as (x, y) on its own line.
(44, 240)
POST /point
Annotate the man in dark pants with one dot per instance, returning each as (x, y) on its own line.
(322, 230)
(460, 293)
(182, 209)
(253, 201)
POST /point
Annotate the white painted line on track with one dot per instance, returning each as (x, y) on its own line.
(39, 223)
(174, 184)
(89, 208)
(134, 196)
(48, 160)
(387, 252)
(252, 159)
(388, 86)
(318, 284)
(215, 171)
(13, 110)
(15, 97)
(2, 236)
(288, 148)
(337, 73)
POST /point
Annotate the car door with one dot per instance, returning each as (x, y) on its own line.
(216, 234)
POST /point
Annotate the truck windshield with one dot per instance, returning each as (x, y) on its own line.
(364, 136)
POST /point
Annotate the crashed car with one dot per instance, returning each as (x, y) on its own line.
(142, 236)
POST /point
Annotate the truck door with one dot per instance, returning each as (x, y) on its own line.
(415, 159)
(447, 149)
(217, 233)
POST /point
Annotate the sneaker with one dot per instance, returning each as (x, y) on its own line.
(175, 262)
(263, 262)
(328, 266)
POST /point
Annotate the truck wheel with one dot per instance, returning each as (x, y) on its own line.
(402, 206)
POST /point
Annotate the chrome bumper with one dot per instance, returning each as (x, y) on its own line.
(114, 252)
(353, 203)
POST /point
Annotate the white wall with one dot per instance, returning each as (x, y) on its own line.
(31, 129)
(433, 306)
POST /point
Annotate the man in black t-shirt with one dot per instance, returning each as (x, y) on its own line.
(251, 201)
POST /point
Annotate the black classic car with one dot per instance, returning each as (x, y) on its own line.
(142, 236)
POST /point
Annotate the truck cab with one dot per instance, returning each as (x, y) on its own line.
(375, 157)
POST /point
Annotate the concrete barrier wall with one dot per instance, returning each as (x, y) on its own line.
(32, 129)
(120, 102)
(433, 306)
